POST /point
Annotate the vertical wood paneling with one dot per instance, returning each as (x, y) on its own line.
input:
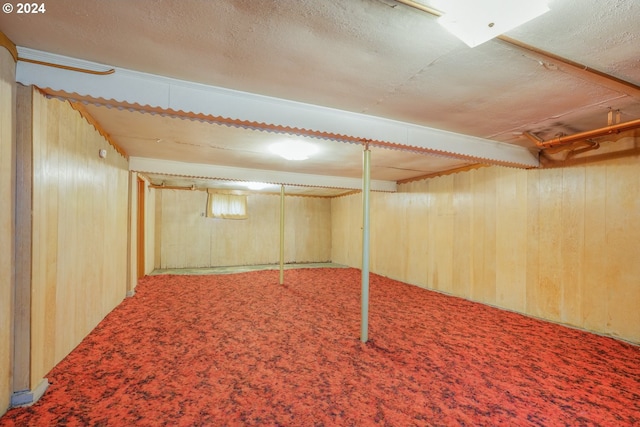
(559, 244)
(548, 292)
(165, 241)
(483, 287)
(61, 148)
(311, 227)
(478, 231)
(198, 253)
(442, 218)
(79, 256)
(132, 234)
(622, 210)
(187, 239)
(386, 249)
(53, 248)
(404, 234)
(594, 294)
(511, 238)
(462, 210)
(490, 240)
(150, 224)
(572, 235)
(432, 226)
(417, 213)
(353, 234)
(338, 229)
(346, 230)
(7, 181)
(377, 252)
(532, 247)
(157, 242)
(138, 218)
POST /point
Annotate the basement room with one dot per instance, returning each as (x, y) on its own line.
(320, 213)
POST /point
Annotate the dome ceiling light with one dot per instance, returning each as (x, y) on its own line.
(256, 185)
(293, 150)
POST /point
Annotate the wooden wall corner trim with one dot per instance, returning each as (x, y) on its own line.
(9, 45)
(93, 122)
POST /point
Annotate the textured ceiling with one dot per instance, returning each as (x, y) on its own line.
(376, 57)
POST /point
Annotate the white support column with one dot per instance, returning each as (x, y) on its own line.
(282, 234)
(366, 180)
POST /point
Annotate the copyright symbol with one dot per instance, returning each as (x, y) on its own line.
(7, 8)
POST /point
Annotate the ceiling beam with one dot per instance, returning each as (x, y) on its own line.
(206, 171)
(125, 87)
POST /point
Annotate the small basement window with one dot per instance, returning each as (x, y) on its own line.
(226, 206)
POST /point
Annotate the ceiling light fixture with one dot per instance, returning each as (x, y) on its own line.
(256, 185)
(477, 21)
(293, 150)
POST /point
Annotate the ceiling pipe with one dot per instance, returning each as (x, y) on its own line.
(175, 187)
(591, 144)
(605, 79)
(11, 47)
(595, 133)
(68, 67)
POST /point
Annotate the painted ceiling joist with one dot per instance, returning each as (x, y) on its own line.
(200, 170)
(132, 87)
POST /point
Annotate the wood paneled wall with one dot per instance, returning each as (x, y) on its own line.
(132, 254)
(559, 244)
(149, 232)
(150, 229)
(186, 238)
(79, 246)
(7, 206)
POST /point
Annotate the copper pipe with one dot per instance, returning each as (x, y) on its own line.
(11, 47)
(595, 133)
(589, 143)
(67, 67)
(175, 187)
(578, 151)
(549, 162)
(533, 138)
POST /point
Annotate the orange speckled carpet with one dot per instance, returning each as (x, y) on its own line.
(241, 350)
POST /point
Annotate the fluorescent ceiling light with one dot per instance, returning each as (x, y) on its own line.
(294, 150)
(477, 21)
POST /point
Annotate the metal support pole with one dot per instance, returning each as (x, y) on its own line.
(282, 234)
(366, 181)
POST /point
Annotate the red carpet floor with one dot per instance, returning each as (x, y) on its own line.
(241, 350)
